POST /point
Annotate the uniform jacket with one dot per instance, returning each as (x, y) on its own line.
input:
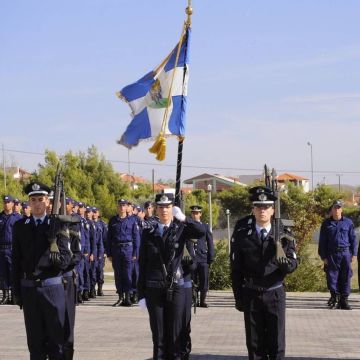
(122, 231)
(30, 255)
(253, 260)
(171, 247)
(6, 227)
(336, 234)
(75, 244)
(203, 249)
(99, 239)
(85, 236)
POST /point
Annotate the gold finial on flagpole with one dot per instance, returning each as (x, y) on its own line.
(189, 11)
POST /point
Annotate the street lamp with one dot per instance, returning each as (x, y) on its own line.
(312, 165)
(228, 213)
(209, 188)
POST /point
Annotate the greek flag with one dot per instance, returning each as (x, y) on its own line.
(149, 98)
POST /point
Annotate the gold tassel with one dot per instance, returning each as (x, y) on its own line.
(159, 147)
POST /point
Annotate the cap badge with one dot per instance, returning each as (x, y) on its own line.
(164, 198)
(262, 197)
(35, 187)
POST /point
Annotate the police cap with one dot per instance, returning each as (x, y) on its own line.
(196, 208)
(37, 188)
(164, 199)
(337, 204)
(8, 198)
(262, 195)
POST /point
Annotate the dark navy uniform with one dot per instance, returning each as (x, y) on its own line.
(69, 276)
(7, 222)
(257, 282)
(203, 251)
(122, 246)
(38, 284)
(337, 245)
(102, 228)
(165, 296)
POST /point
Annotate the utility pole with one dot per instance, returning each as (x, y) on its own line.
(338, 175)
(4, 167)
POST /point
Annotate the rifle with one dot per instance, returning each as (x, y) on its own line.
(58, 216)
(271, 182)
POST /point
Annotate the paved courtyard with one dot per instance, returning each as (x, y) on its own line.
(104, 332)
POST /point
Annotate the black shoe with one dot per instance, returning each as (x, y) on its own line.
(92, 294)
(99, 290)
(118, 303)
(79, 298)
(85, 295)
(134, 298)
(333, 301)
(343, 303)
(126, 301)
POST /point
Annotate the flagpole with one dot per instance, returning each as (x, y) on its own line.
(178, 197)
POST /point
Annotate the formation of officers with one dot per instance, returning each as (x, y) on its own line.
(47, 269)
(48, 287)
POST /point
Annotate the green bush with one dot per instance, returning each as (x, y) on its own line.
(309, 276)
(220, 268)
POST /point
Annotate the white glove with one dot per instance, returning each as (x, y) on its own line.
(177, 213)
(142, 304)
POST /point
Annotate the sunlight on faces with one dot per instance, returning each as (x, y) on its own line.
(263, 214)
(336, 212)
(164, 212)
(39, 204)
(8, 207)
(196, 215)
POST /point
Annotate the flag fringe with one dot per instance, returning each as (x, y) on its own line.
(159, 147)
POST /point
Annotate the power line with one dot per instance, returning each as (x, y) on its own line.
(204, 167)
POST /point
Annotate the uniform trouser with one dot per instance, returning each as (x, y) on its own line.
(166, 321)
(86, 274)
(186, 328)
(80, 275)
(122, 264)
(44, 313)
(134, 276)
(5, 269)
(70, 294)
(201, 276)
(339, 273)
(264, 315)
(100, 270)
(92, 273)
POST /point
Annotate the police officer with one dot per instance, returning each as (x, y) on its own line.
(204, 256)
(69, 276)
(84, 265)
(37, 277)
(257, 277)
(101, 250)
(7, 220)
(337, 249)
(17, 206)
(161, 282)
(122, 247)
(26, 209)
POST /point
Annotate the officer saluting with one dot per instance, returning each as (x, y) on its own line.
(37, 277)
(257, 277)
(161, 281)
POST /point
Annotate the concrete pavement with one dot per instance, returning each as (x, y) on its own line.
(104, 332)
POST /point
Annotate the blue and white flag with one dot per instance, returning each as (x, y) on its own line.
(148, 98)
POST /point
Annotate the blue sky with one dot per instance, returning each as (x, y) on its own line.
(266, 77)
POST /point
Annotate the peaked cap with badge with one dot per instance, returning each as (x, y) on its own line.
(8, 198)
(164, 199)
(196, 208)
(37, 188)
(262, 195)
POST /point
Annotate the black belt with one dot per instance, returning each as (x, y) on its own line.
(5, 246)
(341, 249)
(58, 280)
(250, 285)
(123, 244)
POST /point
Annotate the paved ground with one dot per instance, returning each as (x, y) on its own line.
(104, 332)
